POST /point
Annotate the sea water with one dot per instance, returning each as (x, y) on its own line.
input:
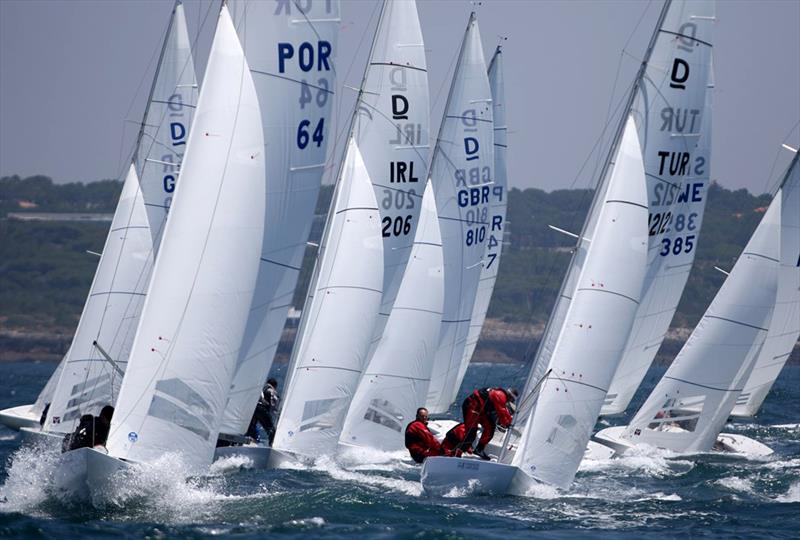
(644, 494)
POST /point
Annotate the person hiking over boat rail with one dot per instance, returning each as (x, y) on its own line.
(487, 408)
(266, 411)
(421, 443)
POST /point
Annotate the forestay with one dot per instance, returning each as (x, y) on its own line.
(673, 115)
(596, 325)
(338, 318)
(194, 316)
(90, 374)
(497, 212)
(290, 46)
(463, 179)
(396, 380)
(784, 329)
(689, 406)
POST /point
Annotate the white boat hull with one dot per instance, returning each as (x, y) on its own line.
(727, 443)
(83, 473)
(443, 475)
(19, 417)
(257, 456)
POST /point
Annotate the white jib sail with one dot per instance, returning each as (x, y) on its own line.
(673, 115)
(689, 406)
(391, 129)
(338, 318)
(462, 173)
(784, 329)
(396, 380)
(497, 212)
(192, 323)
(290, 47)
(88, 380)
(595, 328)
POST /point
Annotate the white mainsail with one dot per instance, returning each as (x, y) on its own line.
(784, 329)
(396, 380)
(689, 406)
(338, 318)
(290, 47)
(91, 371)
(191, 327)
(595, 327)
(497, 212)
(391, 129)
(673, 116)
(462, 175)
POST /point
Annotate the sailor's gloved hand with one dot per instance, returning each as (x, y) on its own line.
(502, 429)
(483, 455)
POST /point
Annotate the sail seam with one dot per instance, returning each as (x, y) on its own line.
(470, 118)
(578, 382)
(609, 292)
(704, 385)
(678, 34)
(315, 87)
(627, 202)
(280, 264)
(762, 256)
(737, 322)
(357, 208)
(398, 65)
(350, 287)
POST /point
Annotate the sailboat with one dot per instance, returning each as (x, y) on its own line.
(462, 173)
(191, 326)
(291, 49)
(688, 408)
(606, 281)
(90, 374)
(366, 243)
(784, 330)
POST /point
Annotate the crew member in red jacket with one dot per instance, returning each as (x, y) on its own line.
(420, 442)
(487, 408)
(451, 445)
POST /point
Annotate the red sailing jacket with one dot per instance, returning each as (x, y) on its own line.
(420, 442)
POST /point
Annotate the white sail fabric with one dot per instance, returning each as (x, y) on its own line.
(462, 175)
(784, 329)
(338, 319)
(165, 128)
(497, 212)
(86, 379)
(46, 395)
(673, 116)
(290, 47)
(596, 326)
(391, 129)
(192, 323)
(689, 406)
(396, 380)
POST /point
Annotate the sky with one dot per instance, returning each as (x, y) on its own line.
(74, 78)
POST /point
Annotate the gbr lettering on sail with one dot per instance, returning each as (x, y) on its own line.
(474, 186)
